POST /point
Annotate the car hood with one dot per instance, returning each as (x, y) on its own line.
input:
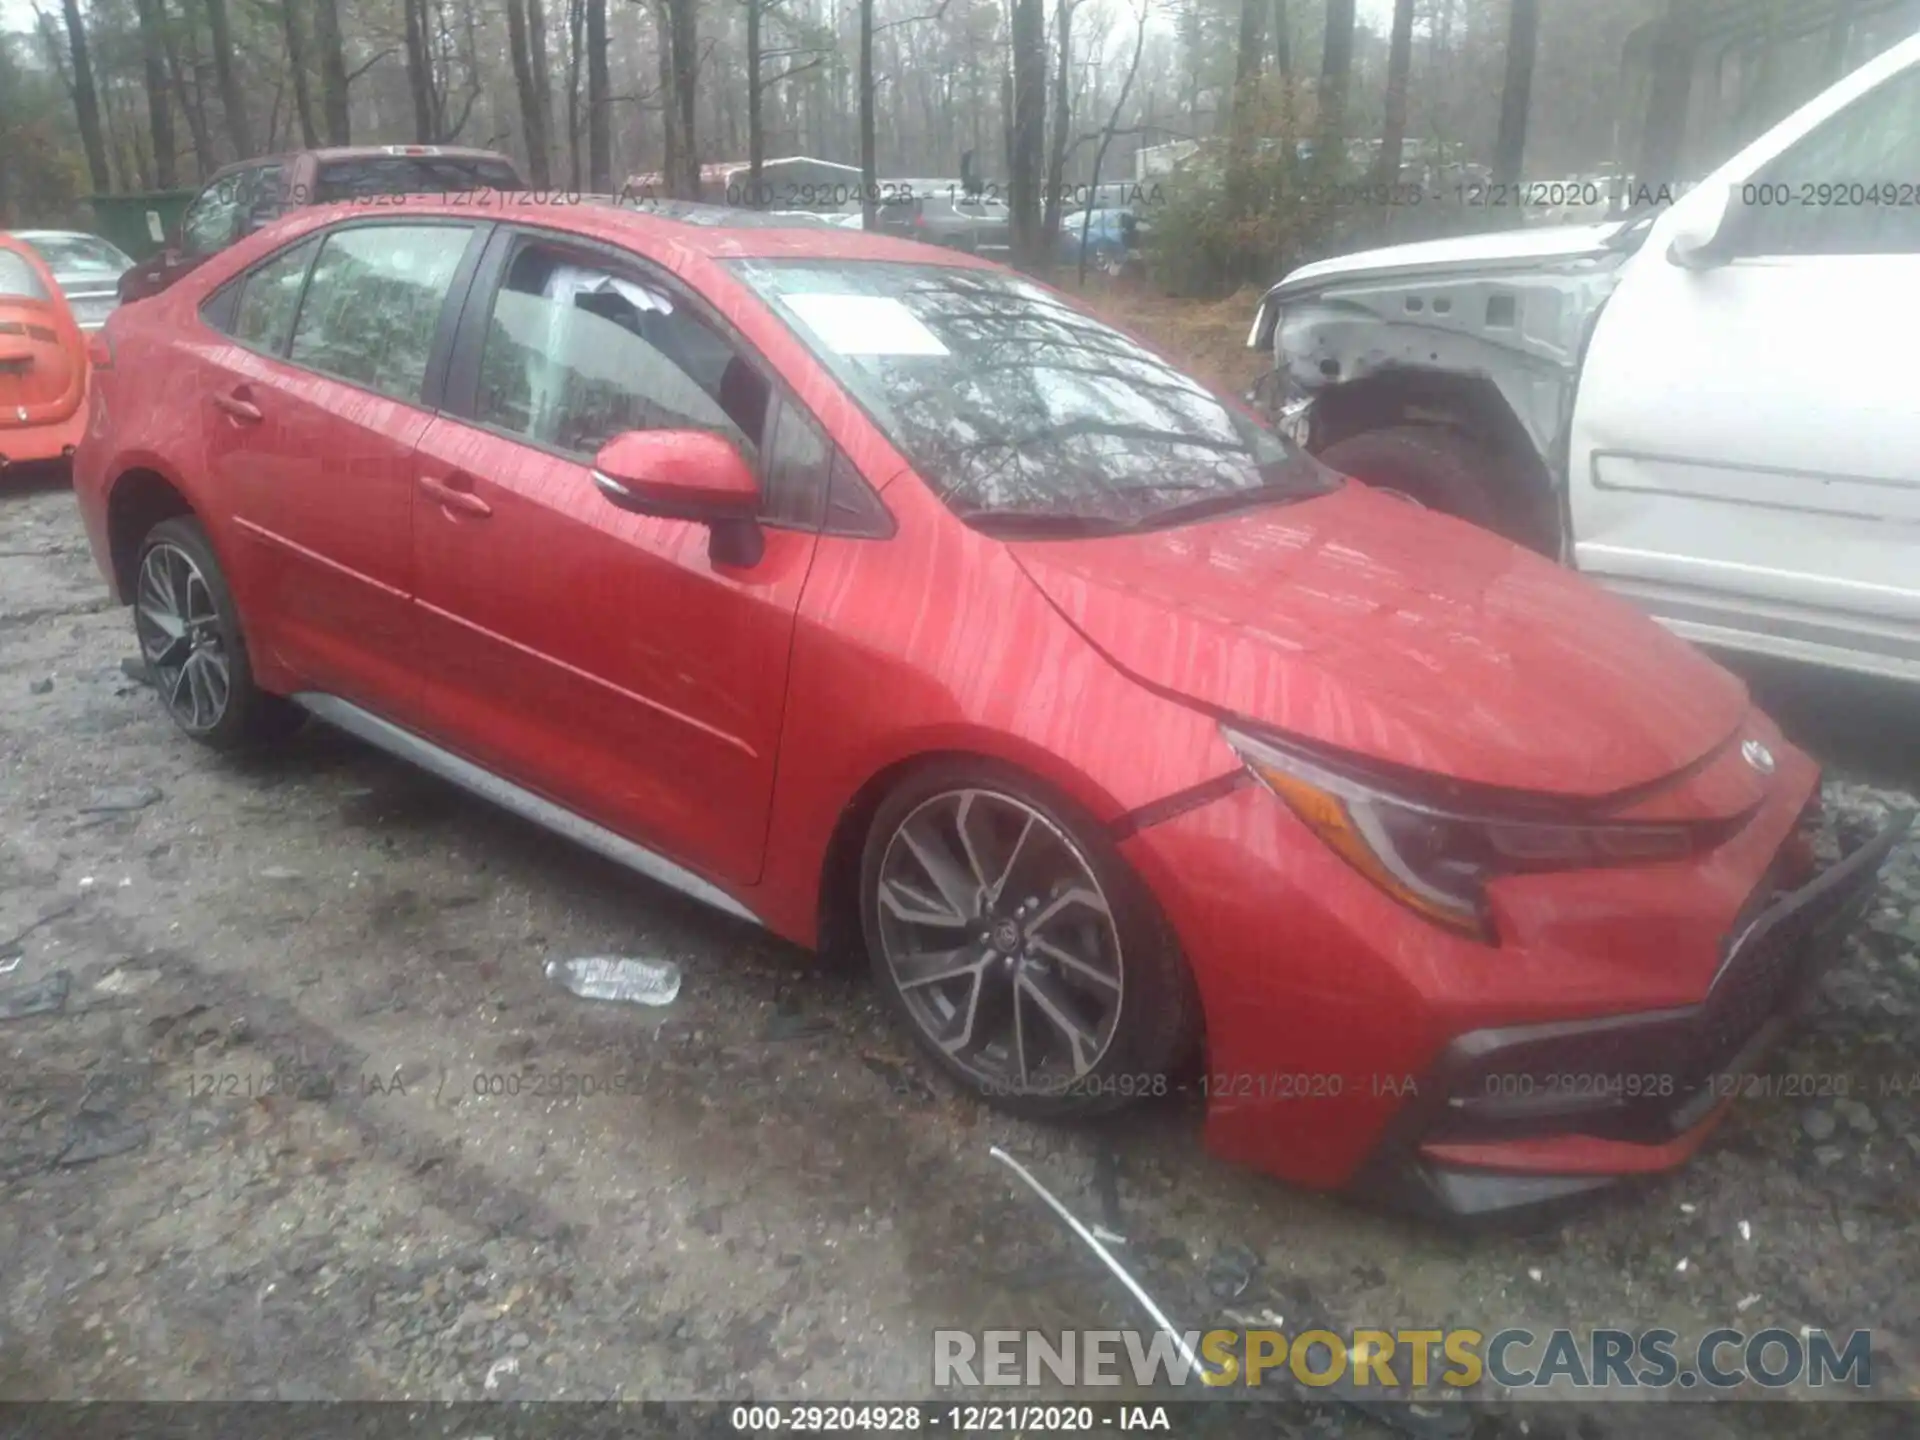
(1499, 250)
(1366, 624)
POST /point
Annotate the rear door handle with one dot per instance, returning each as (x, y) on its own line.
(239, 407)
(453, 495)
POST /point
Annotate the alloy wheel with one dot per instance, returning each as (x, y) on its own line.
(1001, 941)
(178, 626)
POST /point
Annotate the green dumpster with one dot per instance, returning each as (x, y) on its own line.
(139, 224)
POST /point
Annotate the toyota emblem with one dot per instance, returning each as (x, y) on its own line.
(1758, 756)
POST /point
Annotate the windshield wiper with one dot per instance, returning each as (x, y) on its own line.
(1041, 524)
(1273, 492)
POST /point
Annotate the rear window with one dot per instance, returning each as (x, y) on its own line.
(18, 279)
(410, 175)
(79, 255)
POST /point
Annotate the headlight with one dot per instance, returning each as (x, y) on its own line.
(1437, 862)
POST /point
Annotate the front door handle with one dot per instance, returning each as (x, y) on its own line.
(453, 496)
(239, 406)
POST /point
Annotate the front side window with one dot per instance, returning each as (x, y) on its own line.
(373, 304)
(577, 352)
(1845, 189)
(213, 217)
(270, 296)
(1020, 410)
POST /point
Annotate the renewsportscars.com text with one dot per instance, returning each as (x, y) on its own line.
(1513, 1359)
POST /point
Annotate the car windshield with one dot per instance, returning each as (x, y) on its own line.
(1018, 408)
(80, 256)
(410, 175)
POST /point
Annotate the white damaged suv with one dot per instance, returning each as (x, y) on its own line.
(1709, 407)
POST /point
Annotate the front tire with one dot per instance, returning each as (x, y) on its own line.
(1017, 946)
(1439, 468)
(192, 644)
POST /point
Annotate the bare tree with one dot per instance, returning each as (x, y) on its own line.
(1510, 150)
(679, 71)
(86, 98)
(153, 61)
(1062, 118)
(1393, 133)
(1246, 65)
(188, 97)
(537, 53)
(419, 71)
(1282, 39)
(869, 160)
(756, 123)
(1336, 71)
(297, 63)
(533, 119)
(1028, 131)
(1113, 122)
(233, 100)
(599, 101)
(333, 72)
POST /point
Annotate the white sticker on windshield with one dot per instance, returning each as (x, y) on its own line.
(865, 325)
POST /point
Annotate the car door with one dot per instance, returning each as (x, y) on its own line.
(313, 405)
(600, 658)
(1746, 446)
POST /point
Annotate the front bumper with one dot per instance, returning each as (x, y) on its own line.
(1341, 1028)
(1519, 1115)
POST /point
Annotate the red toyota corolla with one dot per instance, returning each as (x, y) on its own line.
(881, 596)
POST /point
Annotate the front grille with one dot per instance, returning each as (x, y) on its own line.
(1641, 1077)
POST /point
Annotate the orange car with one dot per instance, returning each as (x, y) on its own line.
(43, 362)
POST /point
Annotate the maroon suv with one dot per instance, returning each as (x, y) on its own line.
(241, 198)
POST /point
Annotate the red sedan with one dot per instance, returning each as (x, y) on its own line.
(879, 595)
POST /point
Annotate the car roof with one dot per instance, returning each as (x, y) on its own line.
(328, 153)
(750, 237)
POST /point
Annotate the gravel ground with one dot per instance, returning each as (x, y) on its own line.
(768, 1196)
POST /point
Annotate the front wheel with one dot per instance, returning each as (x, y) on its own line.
(1441, 469)
(1018, 947)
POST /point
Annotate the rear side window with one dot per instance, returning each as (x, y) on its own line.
(269, 298)
(213, 217)
(18, 279)
(80, 255)
(409, 175)
(372, 304)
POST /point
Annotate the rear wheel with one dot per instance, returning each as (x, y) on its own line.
(1018, 947)
(192, 644)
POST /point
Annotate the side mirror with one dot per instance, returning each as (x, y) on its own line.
(1699, 232)
(686, 475)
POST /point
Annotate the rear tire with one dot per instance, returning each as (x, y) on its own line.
(1018, 948)
(193, 647)
(1438, 468)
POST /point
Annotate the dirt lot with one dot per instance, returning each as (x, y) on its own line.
(270, 1143)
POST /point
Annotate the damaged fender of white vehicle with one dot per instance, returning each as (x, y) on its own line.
(1522, 327)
